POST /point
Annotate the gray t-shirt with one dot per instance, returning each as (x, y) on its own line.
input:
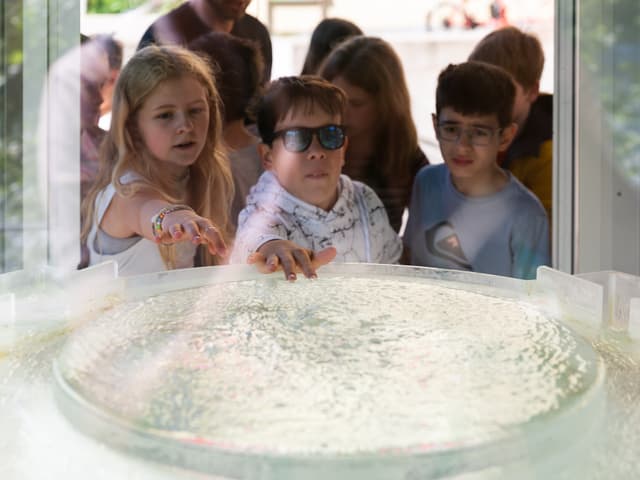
(505, 233)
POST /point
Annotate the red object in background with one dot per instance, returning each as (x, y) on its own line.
(498, 12)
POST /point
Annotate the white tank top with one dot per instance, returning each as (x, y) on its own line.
(141, 257)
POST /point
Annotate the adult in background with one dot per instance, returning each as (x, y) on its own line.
(194, 18)
(114, 50)
(383, 149)
(94, 74)
(325, 37)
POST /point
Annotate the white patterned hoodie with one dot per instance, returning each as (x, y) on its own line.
(357, 225)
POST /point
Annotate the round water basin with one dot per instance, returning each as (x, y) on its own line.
(362, 373)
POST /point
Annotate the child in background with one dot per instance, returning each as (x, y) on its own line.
(530, 155)
(302, 197)
(469, 213)
(327, 35)
(383, 147)
(164, 186)
(239, 72)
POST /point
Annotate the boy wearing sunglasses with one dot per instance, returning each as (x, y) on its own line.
(302, 196)
(469, 213)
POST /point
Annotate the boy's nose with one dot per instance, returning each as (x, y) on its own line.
(464, 139)
(315, 149)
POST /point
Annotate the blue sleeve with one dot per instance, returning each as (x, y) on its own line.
(530, 244)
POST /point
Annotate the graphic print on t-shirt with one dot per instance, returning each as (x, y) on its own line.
(443, 242)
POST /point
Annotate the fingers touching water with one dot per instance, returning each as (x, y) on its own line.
(290, 258)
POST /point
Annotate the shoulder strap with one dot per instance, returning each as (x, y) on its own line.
(103, 200)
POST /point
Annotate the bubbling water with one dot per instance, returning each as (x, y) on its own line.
(332, 366)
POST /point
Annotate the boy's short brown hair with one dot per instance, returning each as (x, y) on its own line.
(476, 88)
(305, 92)
(519, 53)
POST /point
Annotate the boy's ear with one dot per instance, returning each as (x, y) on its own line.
(434, 119)
(533, 93)
(507, 136)
(344, 149)
(264, 151)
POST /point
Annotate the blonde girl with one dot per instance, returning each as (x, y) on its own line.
(164, 185)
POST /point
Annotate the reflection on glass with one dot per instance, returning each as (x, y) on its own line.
(11, 231)
(610, 54)
(607, 139)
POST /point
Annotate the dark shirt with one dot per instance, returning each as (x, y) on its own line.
(530, 156)
(537, 129)
(395, 193)
(182, 25)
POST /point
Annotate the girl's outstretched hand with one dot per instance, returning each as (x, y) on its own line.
(291, 258)
(186, 225)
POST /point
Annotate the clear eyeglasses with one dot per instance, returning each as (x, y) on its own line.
(477, 136)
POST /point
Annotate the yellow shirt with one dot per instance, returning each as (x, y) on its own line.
(535, 173)
(530, 156)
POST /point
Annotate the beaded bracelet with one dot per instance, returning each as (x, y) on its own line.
(156, 220)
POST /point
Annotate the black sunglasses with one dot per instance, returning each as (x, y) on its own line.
(298, 139)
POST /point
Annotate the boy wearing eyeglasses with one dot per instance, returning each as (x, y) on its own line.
(302, 198)
(468, 213)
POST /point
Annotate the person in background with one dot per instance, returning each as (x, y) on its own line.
(238, 73)
(302, 197)
(468, 213)
(530, 155)
(67, 148)
(94, 74)
(194, 18)
(113, 49)
(383, 149)
(325, 37)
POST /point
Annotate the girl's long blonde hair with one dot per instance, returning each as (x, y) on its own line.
(209, 188)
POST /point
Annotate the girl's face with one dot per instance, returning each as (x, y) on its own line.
(361, 116)
(174, 121)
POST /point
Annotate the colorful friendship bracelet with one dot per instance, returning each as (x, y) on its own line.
(156, 220)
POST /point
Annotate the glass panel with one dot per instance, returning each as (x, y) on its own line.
(58, 135)
(607, 136)
(11, 55)
(39, 118)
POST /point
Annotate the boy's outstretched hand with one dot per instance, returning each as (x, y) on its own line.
(291, 258)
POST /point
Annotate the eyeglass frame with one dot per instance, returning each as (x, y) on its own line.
(314, 132)
(466, 131)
